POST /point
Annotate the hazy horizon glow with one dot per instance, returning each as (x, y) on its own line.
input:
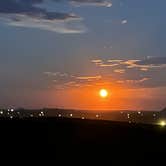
(61, 53)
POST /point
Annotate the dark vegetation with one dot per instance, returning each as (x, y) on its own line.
(73, 139)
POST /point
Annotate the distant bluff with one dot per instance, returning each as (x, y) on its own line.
(163, 113)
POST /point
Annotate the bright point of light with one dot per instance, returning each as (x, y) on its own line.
(59, 115)
(128, 116)
(71, 115)
(1, 112)
(103, 93)
(82, 118)
(12, 110)
(162, 123)
(139, 112)
(42, 113)
(97, 116)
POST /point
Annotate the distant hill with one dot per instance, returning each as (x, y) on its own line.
(163, 113)
(164, 110)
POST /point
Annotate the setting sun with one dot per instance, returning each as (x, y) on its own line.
(103, 93)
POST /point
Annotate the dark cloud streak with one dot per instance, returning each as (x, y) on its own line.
(28, 14)
(27, 7)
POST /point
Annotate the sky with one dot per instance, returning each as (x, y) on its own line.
(60, 53)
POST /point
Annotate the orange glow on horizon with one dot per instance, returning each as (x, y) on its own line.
(89, 98)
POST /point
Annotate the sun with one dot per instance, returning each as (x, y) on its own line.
(103, 93)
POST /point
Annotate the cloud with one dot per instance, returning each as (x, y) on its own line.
(124, 22)
(137, 81)
(97, 61)
(141, 64)
(114, 61)
(145, 72)
(104, 3)
(121, 71)
(146, 64)
(134, 73)
(133, 81)
(33, 14)
(108, 63)
(89, 77)
(25, 13)
(65, 80)
(56, 74)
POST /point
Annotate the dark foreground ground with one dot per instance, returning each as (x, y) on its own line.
(67, 139)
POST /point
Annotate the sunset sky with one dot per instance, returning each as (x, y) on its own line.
(60, 53)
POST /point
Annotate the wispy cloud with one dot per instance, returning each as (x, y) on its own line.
(35, 14)
(146, 64)
(121, 71)
(132, 72)
(133, 81)
(65, 80)
(108, 63)
(97, 61)
(141, 64)
(56, 74)
(89, 77)
(26, 14)
(124, 22)
(104, 3)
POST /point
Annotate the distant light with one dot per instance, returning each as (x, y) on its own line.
(121, 112)
(1, 112)
(12, 110)
(97, 116)
(83, 118)
(31, 115)
(11, 117)
(128, 116)
(71, 115)
(139, 112)
(40, 114)
(59, 115)
(162, 123)
(8, 110)
(154, 114)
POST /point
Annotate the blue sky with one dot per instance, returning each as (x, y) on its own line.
(48, 47)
